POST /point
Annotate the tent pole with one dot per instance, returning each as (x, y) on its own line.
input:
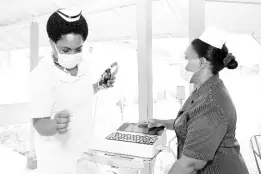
(34, 45)
(196, 22)
(34, 59)
(144, 54)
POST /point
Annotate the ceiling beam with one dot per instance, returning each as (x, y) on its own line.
(155, 51)
(175, 12)
(236, 2)
(113, 7)
(44, 17)
(110, 39)
(154, 36)
(24, 23)
(257, 39)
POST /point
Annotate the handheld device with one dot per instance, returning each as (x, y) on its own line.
(107, 74)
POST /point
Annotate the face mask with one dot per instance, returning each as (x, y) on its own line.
(186, 75)
(68, 61)
(193, 65)
(190, 69)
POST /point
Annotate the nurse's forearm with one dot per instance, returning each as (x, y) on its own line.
(179, 168)
(45, 126)
(168, 124)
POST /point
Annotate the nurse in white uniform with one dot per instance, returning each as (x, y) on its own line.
(62, 97)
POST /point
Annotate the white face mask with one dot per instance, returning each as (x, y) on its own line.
(186, 75)
(69, 61)
(190, 68)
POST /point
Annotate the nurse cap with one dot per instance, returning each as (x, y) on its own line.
(214, 36)
(70, 15)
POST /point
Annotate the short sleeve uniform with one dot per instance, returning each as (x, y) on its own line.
(53, 90)
(205, 128)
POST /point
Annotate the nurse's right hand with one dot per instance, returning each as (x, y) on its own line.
(152, 123)
(62, 119)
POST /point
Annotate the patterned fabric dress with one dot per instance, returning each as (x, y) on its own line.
(205, 128)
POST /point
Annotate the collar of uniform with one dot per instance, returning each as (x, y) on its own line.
(206, 86)
(82, 68)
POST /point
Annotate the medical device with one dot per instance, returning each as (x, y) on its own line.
(128, 148)
(132, 140)
(107, 74)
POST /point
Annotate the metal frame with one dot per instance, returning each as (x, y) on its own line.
(257, 154)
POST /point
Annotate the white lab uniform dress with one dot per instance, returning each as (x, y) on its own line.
(53, 90)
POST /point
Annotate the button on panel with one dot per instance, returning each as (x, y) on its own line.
(116, 136)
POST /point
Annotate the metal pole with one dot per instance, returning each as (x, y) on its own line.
(34, 59)
(144, 53)
(196, 22)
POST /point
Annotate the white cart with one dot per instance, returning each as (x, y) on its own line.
(129, 149)
(121, 164)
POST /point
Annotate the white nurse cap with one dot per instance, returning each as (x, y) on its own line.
(214, 37)
(70, 15)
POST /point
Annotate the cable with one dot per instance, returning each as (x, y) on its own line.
(160, 147)
(93, 126)
(98, 168)
(94, 113)
(172, 140)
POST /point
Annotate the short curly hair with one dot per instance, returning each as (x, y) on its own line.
(57, 27)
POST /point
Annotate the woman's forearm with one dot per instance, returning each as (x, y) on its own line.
(180, 167)
(186, 165)
(168, 124)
